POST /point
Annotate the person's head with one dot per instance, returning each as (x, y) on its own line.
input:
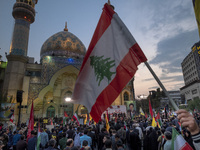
(108, 143)
(32, 132)
(119, 144)
(74, 148)
(117, 137)
(70, 143)
(131, 106)
(168, 135)
(20, 132)
(70, 127)
(106, 137)
(85, 131)
(85, 143)
(163, 130)
(78, 129)
(52, 142)
(22, 137)
(114, 132)
(103, 130)
(64, 134)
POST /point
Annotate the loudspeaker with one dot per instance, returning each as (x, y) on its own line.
(19, 96)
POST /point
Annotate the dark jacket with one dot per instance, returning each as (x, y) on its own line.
(32, 142)
(134, 141)
(21, 145)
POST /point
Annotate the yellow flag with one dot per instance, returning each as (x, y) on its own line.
(141, 111)
(153, 123)
(196, 4)
(107, 124)
(85, 121)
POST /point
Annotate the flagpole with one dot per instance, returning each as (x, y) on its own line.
(161, 85)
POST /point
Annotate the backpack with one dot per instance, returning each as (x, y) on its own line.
(77, 141)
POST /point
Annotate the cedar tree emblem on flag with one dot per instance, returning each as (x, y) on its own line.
(102, 68)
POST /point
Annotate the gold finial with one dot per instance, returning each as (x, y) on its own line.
(111, 5)
(65, 29)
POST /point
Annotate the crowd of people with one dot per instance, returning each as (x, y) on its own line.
(124, 134)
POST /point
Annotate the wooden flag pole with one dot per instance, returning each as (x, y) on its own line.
(162, 86)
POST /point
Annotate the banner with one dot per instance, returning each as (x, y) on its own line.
(6, 110)
(117, 109)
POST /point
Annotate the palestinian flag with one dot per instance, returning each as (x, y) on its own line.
(110, 63)
(158, 119)
(178, 142)
(75, 116)
(150, 109)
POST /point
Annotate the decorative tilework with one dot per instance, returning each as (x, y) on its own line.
(61, 44)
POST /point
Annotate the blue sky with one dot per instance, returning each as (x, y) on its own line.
(165, 30)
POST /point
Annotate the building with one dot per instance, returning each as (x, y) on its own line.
(191, 73)
(50, 83)
(176, 97)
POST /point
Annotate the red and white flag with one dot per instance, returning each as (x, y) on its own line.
(12, 118)
(31, 122)
(75, 116)
(109, 64)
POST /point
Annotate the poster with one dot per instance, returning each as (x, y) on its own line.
(6, 110)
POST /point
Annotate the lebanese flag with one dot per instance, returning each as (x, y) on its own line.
(150, 109)
(31, 122)
(109, 64)
(12, 118)
(75, 116)
(178, 142)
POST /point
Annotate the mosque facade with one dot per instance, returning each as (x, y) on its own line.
(49, 83)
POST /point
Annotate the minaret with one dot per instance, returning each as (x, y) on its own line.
(24, 15)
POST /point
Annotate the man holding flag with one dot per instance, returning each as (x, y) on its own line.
(188, 121)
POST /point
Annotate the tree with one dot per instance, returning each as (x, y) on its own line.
(194, 104)
(155, 97)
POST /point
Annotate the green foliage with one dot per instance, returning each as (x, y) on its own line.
(102, 67)
(144, 104)
(194, 104)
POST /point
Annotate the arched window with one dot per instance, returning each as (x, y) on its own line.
(50, 111)
(126, 96)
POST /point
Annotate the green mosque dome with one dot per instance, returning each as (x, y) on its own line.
(63, 44)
